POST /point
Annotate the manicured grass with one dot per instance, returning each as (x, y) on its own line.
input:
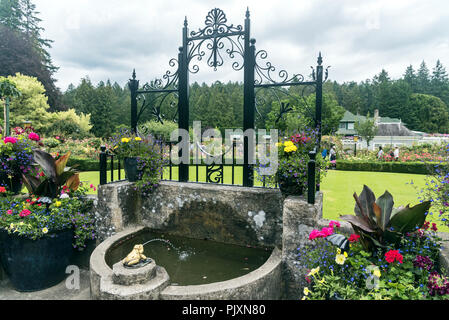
(338, 187)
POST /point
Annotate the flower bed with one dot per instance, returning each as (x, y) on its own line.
(410, 271)
(393, 253)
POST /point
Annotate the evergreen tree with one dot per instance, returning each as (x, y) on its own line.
(410, 78)
(423, 79)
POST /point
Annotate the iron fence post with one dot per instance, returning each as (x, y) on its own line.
(311, 177)
(103, 165)
(183, 102)
(318, 108)
(133, 87)
(248, 104)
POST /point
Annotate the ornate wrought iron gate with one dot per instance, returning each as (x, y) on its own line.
(215, 36)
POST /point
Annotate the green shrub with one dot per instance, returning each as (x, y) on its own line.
(158, 129)
(382, 166)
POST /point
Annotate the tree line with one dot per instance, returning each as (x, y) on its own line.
(420, 98)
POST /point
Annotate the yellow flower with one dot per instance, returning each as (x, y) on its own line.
(44, 230)
(278, 144)
(58, 203)
(288, 143)
(138, 138)
(340, 259)
(345, 254)
(314, 271)
(292, 148)
(321, 281)
(21, 223)
(125, 140)
(306, 291)
(11, 226)
(377, 273)
(338, 251)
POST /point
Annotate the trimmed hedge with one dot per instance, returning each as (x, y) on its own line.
(83, 164)
(385, 166)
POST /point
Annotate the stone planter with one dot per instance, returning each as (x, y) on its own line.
(289, 187)
(33, 265)
(131, 170)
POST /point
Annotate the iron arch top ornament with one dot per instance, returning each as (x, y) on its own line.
(220, 39)
(215, 26)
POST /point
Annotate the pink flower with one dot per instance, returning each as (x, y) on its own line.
(10, 140)
(327, 231)
(24, 213)
(34, 136)
(9, 212)
(434, 227)
(315, 234)
(334, 223)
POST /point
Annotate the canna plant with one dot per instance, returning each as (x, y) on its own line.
(379, 224)
(56, 176)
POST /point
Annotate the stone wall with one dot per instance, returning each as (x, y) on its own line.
(231, 214)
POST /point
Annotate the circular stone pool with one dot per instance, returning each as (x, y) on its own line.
(187, 268)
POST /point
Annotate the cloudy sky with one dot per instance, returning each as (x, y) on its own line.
(106, 39)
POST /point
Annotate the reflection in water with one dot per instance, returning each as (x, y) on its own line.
(191, 261)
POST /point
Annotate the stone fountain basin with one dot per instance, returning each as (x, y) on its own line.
(263, 283)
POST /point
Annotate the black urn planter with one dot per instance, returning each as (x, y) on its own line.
(289, 187)
(131, 171)
(33, 265)
(13, 184)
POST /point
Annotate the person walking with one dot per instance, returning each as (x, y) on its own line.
(380, 153)
(396, 153)
(332, 154)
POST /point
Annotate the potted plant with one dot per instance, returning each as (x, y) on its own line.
(142, 157)
(293, 157)
(16, 158)
(38, 232)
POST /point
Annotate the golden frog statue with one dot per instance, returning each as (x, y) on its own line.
(135, 256)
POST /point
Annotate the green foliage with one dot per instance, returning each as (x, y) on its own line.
(378, 224)
(68, 124)
(427, 113)
(56, 176)
(159, 130)
(24, 50)
(31, 105)
(366, 129)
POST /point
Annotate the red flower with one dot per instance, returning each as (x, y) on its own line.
(24, 213)
(354, 238)
(434, 227)
(2, 189)
(393, 255)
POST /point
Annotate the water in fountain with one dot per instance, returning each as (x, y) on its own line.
(183, 255)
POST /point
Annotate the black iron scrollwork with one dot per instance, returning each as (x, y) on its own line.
(266, 72)
(216, 36)
(214, 173)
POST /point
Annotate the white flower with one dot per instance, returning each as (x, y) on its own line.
(64, 196)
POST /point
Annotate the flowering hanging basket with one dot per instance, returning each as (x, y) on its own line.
(33, 265)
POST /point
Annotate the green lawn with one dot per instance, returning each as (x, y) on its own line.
(337, 186)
